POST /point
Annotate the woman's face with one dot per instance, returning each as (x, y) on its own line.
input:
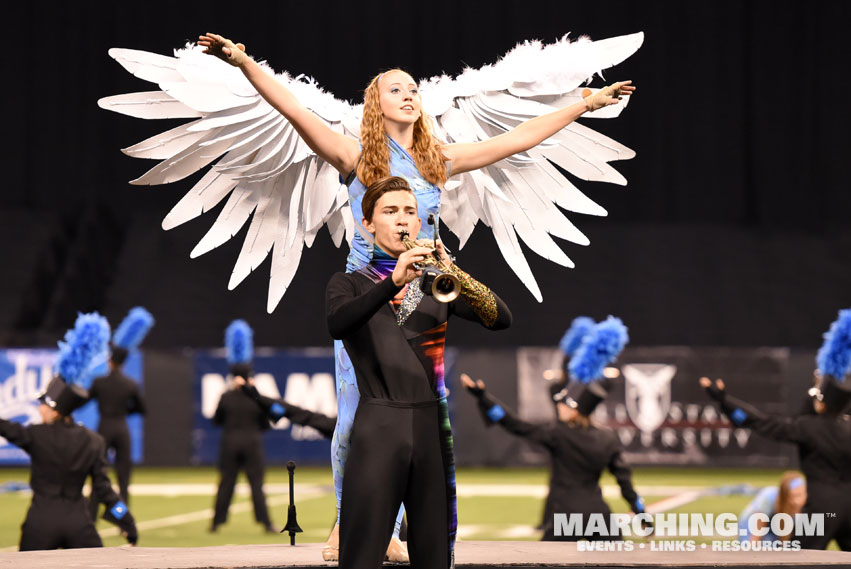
(399, 97)
(797, 498)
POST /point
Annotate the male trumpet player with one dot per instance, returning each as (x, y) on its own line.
(401, 444)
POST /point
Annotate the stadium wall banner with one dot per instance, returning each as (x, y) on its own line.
(663, 417)
(301, 377)
(25, 373)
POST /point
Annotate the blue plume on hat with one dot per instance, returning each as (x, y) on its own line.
(600, 347)
(572, 339)
(239, 341)
(88, 339)
(834, 357)
(133, 328)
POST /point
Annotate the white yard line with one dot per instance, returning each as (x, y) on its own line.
(540, 490)
(496, 531)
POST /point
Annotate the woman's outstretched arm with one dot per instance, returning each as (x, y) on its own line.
(335, 148)
(466, 156)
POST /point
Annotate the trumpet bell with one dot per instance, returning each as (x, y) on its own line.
(444, 287)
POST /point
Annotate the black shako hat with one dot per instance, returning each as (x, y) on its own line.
(243, 370)
(834, 394)
(584, 397)
(63, 397)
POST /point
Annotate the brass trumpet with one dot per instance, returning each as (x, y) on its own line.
(436, 281)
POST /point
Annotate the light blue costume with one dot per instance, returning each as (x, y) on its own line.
(428, 202)
(765, 502)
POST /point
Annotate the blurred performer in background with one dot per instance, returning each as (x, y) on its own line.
(788, 498)
(242, 422)
(401, 445)
(579, 450)
(823, 439)
(558, 380)
(63, 453)
(118, 396)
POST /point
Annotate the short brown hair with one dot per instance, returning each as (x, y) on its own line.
(379, 188)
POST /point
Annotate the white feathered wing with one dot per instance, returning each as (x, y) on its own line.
(269, 172)
(519, 196)
(273, 177)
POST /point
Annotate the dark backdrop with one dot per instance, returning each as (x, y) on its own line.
(732, 231)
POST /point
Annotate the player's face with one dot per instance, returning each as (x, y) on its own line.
(394, 212)
(566, 412)
(48, 414)
(797, 498)
(399, 97)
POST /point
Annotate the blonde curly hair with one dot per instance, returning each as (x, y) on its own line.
(374, 162)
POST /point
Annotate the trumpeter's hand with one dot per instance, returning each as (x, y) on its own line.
(405, 270)
(223, 48)
(714, 390)
(477, 387)
(608, 95)
(438, 248)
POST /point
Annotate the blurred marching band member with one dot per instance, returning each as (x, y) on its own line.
(558, 380)
(401, 440)
(63, 454)
(823, 438)
(118, 396)
(788, 498)
(579, 450)
(242, 422)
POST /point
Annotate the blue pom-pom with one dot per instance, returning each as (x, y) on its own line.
(834, 357)
(496, 413)
(277, 411)
(82, 345)
(572, 339)
(738, 416)
(599, 348)
(239, 341)
(133, 329)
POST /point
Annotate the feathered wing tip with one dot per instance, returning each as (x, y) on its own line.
(572, 339)
(834, 356)
(133, 329)
(88, 339)
(599, 348)
(239, 341)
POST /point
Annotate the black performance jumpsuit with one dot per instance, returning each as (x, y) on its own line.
(396, 450)
(240, 447)
(117, 396)
(824, 450)
(579, 456)
(63, 455)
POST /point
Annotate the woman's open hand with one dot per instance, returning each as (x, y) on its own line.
(223, 48)
(608, 95)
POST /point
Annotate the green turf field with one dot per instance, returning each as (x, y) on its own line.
(176, 508)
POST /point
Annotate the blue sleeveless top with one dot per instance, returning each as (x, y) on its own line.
(428, 202)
